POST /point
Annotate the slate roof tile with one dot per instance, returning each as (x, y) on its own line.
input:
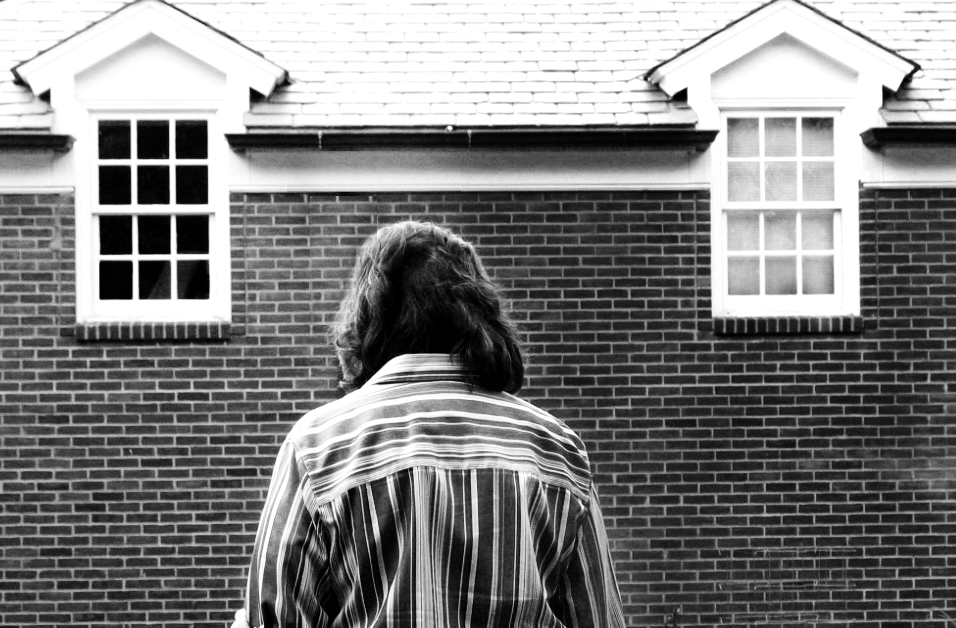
(418, 62)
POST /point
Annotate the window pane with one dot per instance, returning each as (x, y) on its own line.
(153, 182)
(743, 275)
(152, 139)
(115, 187)
(781, 275)
(781, 181)
(817, 137)
(192, 234)
(743, 181)
(191, 139)
(743, 138)
(192, 185)
(817, 231)
(116, 280)
(154, 280)
(192, 279)
(743, 231)
(818, 275)
(780, 231)
(818, 181)
(154, 235)
(113, 139)
(781, 137)
(116, 235)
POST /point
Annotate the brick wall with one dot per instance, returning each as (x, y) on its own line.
(783, 479)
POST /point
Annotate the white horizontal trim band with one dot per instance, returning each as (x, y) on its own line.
(902, 185)
(521, 187)
(36, 189)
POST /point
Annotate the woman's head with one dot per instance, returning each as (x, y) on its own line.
(418, 288)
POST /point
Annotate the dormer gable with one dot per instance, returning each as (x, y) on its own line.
(165, 40)
(783, 17)
(785, 42)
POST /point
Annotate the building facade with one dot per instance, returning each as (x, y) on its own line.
(727, 230)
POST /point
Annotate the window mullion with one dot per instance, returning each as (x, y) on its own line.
(134, 164)
(762, 158)
(135, 257)
(798, 239)
(798, 130)
(762, 254)
(174, 259)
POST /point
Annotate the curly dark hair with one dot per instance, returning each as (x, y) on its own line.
(419, 288)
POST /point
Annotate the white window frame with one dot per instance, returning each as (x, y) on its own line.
(91, 309)
(845, 300)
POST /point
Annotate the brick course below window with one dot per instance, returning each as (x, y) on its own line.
(770, 479)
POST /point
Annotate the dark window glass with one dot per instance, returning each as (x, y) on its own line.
(154, 235)
(154, 280)
(152, 139)
(113, 139)
(116, 280)
(115, 185)
(191, 139)
(192, 234)
(153, 182)
(192, 279)
(192, 185)
(116, 235)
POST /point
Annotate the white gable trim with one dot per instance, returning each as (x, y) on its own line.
(772, 20)
(139, 20)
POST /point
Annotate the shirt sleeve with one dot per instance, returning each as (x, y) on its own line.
(288, 557)
(590, 591)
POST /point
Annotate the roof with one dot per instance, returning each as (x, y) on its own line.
(465, 63)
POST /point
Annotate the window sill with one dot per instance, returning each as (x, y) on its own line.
(159, 331)
(788, 325)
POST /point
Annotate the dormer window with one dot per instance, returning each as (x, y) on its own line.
(790, 90)
(155, 230)
(153, 213)
(780, 229)
(150, 92)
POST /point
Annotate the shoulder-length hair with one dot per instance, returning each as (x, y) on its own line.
(418, 288)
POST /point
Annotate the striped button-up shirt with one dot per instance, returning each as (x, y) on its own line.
(421, 500)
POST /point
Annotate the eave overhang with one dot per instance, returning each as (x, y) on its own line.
(36, 142)
(797, 19)
(910, 135)
(514, 138)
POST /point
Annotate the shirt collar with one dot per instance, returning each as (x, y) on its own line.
(419, 367)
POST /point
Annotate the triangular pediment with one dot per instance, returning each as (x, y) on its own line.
(150, 20)
(795, 22)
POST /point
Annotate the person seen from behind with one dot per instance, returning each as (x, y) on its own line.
(429, 495)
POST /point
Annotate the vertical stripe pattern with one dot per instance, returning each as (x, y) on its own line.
(419, 500)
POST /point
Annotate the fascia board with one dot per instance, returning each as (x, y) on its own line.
(824, 35)
(136, 21)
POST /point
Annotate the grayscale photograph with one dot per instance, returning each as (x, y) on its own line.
(478, 314)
